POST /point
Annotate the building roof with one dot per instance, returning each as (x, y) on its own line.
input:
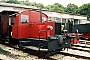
(8, 7)
(17, 5)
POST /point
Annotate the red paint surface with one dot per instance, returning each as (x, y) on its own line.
(23, 31)
(14, 31)
(86, 35)
(33, 27)
(74, 40)
(41, 28)
(35, 16)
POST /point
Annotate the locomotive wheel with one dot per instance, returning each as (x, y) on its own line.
(42, 53)
(48, 54)
(45, 54)
(21, 48)
(3, 41)
(60, 40)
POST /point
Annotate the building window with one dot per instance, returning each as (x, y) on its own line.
(57, 19)
(44, 19)
(24, 18)
(49, 18)
(63, 20)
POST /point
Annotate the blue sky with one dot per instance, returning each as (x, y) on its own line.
(63, 2)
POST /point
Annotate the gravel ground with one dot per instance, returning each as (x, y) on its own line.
(62, 57)
(8, 53)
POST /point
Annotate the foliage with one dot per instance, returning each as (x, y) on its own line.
(38, 5)
(72, 8)
(25, 3)
(55, 7)
(3, 1)
(0, 50)
(12, 1)
(85, 10)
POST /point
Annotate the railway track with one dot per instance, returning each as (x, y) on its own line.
(77, 54)
(80, 50)
(77, 51)
(7, 50)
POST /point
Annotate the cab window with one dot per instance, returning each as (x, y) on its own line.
(24, 18)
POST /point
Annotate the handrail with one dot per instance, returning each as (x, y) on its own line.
(39, 36)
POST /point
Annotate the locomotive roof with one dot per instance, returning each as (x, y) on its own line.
(27, 10)
(36, 11)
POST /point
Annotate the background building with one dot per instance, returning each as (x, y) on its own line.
(53, 16)
(64, 17)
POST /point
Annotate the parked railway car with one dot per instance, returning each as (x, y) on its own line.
(74, 32)
(31, 29)
(4, 24)
(83, 29)
(79, 31)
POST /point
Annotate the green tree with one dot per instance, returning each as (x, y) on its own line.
(26, 3)
(3, 0)
(12, 1)
(55, 7)
(72, 8)
(34, 4)
(40, 5)
(85, 10)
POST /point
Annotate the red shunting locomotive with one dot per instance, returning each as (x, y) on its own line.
(31, 29)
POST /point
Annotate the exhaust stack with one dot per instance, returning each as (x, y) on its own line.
(41, 14)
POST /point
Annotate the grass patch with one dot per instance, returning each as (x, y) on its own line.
(0, 51)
